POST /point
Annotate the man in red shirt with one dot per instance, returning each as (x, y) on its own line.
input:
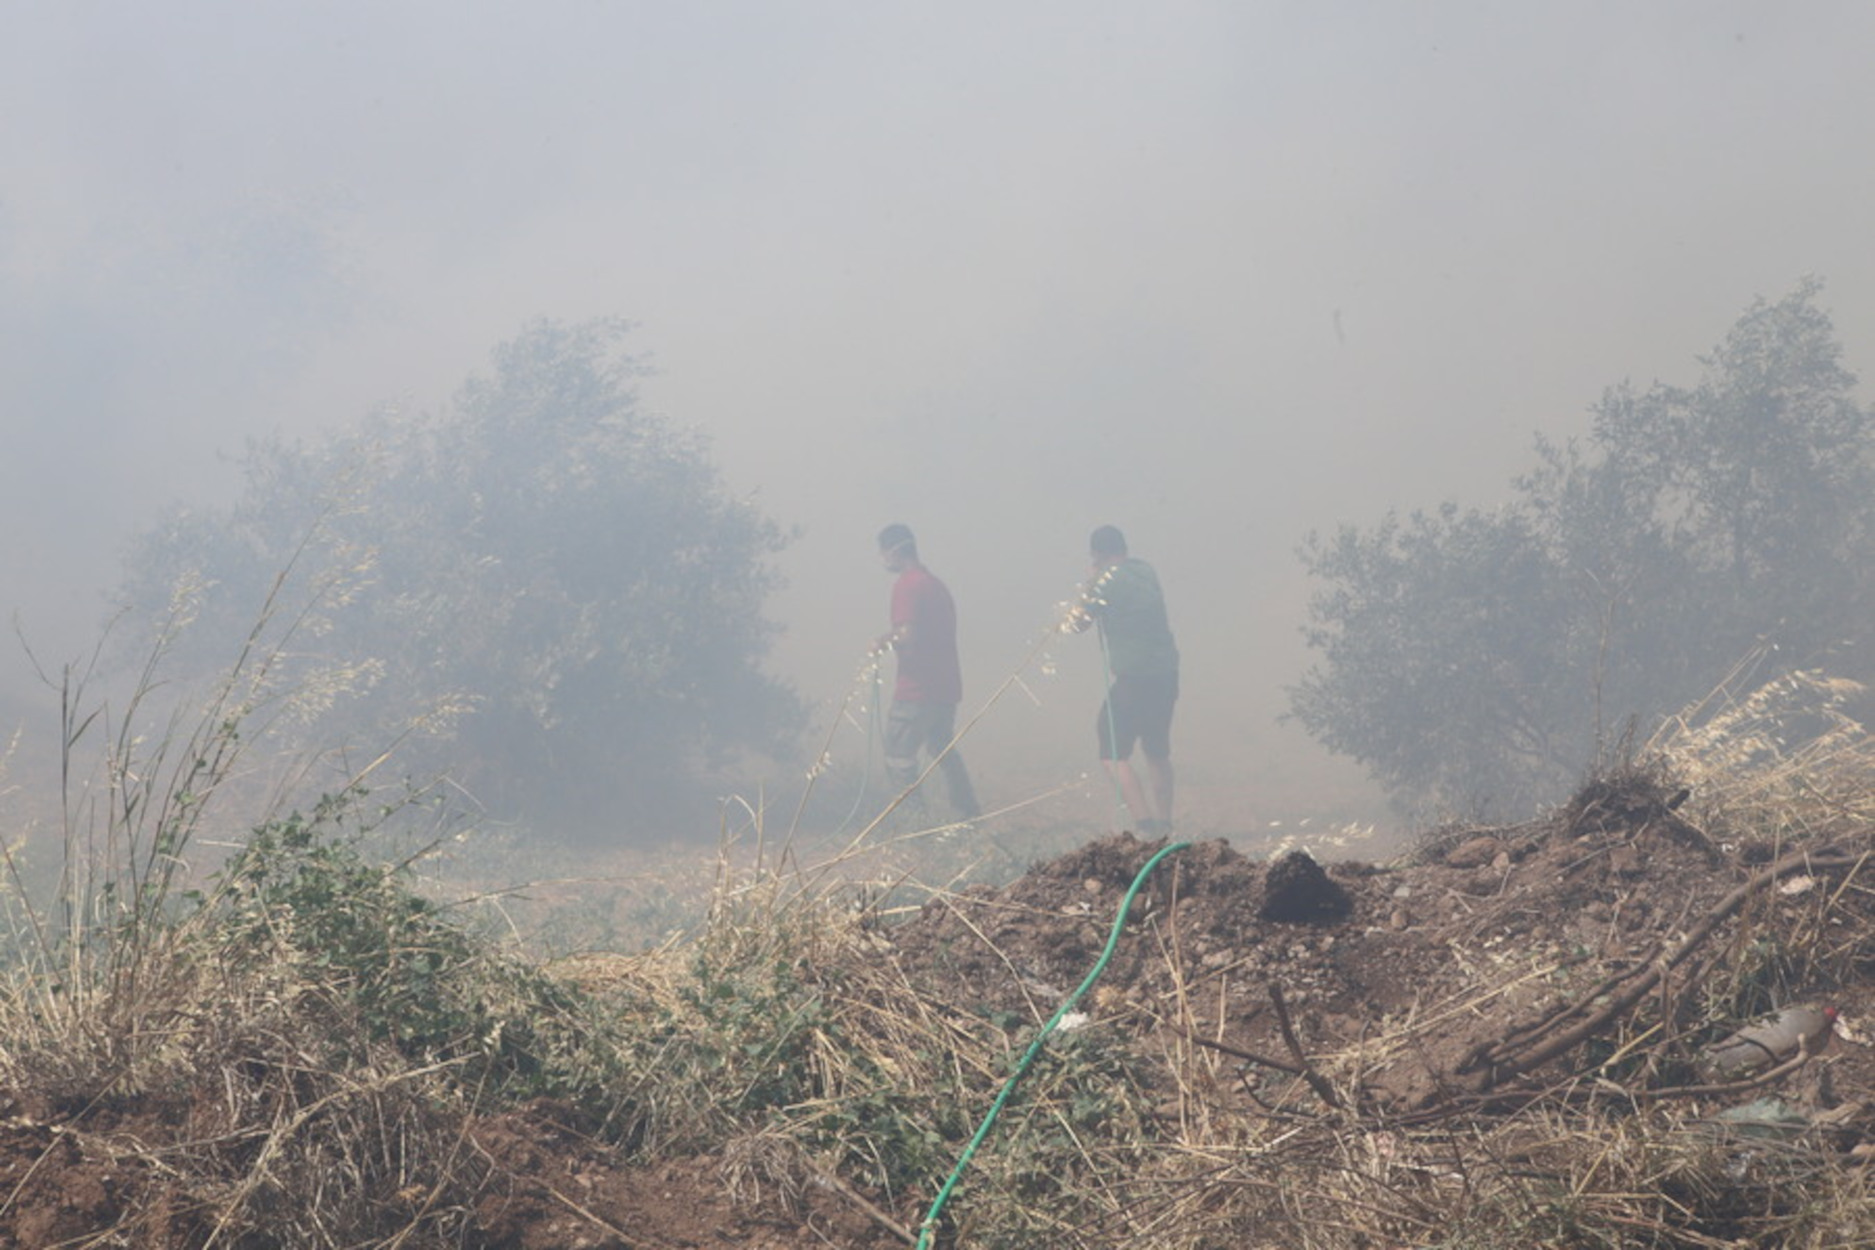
(930, 680)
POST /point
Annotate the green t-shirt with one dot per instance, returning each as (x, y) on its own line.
(1126, 602)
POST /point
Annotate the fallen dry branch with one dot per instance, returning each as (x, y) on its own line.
(1317, 1082)
(1539, 1044)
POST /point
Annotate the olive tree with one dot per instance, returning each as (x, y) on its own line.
(547, 591)
(1481, 662)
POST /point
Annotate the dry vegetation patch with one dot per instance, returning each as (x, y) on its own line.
(1499, 1040)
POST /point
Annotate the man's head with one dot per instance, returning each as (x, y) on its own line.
(897, 547)
(1106, 545)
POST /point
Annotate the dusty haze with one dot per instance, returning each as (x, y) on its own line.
(1219, 274)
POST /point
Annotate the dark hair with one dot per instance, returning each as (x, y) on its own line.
(893, 537)
(1107, 541)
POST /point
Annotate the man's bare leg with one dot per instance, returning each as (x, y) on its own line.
(1159, 780)
(1131, 792)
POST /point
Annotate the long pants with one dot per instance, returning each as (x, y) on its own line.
(915, 728)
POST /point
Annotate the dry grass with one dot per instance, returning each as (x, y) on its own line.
(293, 1052)
(1780, 761)
(1589, 1161)
(1593, 1152)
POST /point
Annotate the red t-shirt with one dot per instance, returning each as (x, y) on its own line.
(928, 671)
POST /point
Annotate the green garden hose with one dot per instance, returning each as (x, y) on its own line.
(928, 1229)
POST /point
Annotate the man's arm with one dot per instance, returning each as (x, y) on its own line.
(890, 641)
(1087, 610)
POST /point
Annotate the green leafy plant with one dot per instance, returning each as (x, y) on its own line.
(392, 966)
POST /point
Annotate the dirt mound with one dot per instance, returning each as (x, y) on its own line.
(1481, 932)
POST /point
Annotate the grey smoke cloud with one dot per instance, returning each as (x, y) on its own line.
(1218, 273)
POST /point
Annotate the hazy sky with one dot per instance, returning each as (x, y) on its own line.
(1219, 273)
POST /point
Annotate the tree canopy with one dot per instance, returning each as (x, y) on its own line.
(548, 589)
(1479, 661)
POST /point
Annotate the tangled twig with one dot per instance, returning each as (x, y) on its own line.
(1565, 1026)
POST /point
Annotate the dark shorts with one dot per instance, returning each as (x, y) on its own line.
(1138, 709)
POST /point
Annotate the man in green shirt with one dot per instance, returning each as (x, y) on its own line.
(1123, 598)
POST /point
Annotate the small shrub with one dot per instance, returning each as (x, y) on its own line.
(392, 967)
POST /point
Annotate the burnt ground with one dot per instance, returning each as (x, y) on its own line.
(1479, 931)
